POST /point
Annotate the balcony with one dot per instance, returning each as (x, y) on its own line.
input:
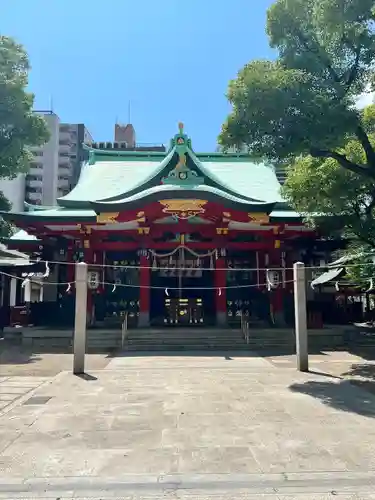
(35, 171)
(34, 184)
(33, 197)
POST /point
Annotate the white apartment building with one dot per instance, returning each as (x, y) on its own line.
(54, 169)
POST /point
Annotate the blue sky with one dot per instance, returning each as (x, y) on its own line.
(171, 59)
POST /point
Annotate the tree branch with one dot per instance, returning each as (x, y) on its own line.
(318, 52)
(343, 161)
(367, 146)
(354, 70)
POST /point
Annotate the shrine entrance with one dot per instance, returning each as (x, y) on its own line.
(182, 292)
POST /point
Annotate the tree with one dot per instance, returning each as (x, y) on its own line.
(20, 128)
(331, 197)
(303, 103)
(334, 199)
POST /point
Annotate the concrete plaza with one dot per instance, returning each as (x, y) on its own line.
(221, 426)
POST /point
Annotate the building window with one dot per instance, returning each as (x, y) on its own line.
(30, 189)
(38, 153)
(64, 154)
(35, 164)
(31, 177)
(63, 178)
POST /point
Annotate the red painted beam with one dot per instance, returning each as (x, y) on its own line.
(117, 245)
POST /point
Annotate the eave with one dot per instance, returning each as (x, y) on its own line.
(168, 192)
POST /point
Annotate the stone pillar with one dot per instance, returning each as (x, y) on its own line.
(79, 344)
(144, 291)
(301, 317)
(13, 292)
(220, 280)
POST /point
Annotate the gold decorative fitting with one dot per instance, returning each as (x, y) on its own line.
(181, 162)
(107, 218)
(183, 209)
(86, 244)
(261, 218)
(143, 230)
(140, 214)
(277, 244)
(221, 230)
(227, 214)
(141, 219)
(84, 229)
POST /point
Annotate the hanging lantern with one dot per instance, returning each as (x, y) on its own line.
(93, 280)
(273, 279)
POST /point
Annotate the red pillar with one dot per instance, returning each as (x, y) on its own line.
(220, 281)
(144, 291)
(261, 261)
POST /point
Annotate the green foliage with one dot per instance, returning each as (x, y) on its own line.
(304, 102)
(333, 197)
(20, 128)
(362, 268)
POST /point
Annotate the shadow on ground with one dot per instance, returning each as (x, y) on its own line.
(12, 355)
(344, 394)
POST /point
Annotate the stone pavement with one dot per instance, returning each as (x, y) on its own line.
(223, 427)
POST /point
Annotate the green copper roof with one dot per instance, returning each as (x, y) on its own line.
(116, 176)
(51, 214)
(247, 179)
(108, 179)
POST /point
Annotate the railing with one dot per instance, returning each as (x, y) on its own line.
(245, 327)
(124, 330)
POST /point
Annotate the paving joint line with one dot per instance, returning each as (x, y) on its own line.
(22, 398)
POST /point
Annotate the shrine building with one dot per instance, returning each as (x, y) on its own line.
(173, 238)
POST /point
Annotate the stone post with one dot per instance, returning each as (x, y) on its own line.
(79, 345)
(300, 317)
(13, 292)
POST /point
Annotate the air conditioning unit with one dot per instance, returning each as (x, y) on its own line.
(124, 145)
(94, 145)
(115, 145)
(101, 145)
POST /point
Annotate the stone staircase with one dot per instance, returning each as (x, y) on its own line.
(214, 339)
(188, 339)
